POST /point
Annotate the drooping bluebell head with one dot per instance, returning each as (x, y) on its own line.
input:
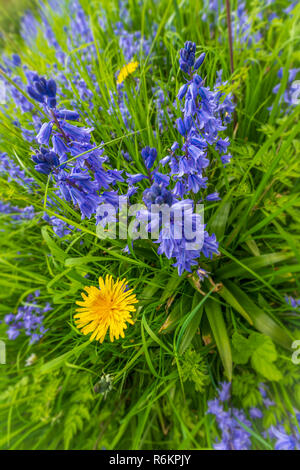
(187, 56)
(42, 90)
(45, 161)
(149, 155)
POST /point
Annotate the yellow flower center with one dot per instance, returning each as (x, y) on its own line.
(108, 307)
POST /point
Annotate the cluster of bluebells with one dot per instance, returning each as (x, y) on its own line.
(20, 100)
(291, 95)
(241, 24)
(16, 213)
(204, 114)
(28, 319)
(243, 29)
(294, 303)
(234, 436)
(232, 421)
(161, 108)
(79, 180)
(80, 171)
(132, 44)
(283, 437)
(199, 127)
(78, 33)
(43, 91)
(60, 227)
(13, 172)
(29, 27)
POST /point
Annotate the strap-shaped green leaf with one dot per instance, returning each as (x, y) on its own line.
(217, 324)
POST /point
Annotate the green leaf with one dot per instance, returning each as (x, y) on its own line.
(217, 324)
(241, 350)
(264, 354)
(261, 320)
(189, 319)
(254, 263)
(192, 326)
(231, 300)
(57, 252)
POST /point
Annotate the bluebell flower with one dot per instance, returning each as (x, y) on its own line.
(157, 194)
(67, 114)
(16, 60)
(44, 134)
(284, 441)
(61, 229)
(213, 197)
(80, 134)
(42, 90)
(233, 435)
(295, 303)
(290, 8)
(17, 214)
(187, 56)
(149, 155)
(59, 146)
(20, 100)
(292, 90)
(14, 172)
(29, 319)
(255, 413)
(45, 161)
(29, 27)
(225, 391)
(133, 179)
(199, 61)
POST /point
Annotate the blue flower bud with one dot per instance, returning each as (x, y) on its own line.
(35, 95)
(16, 60)
(180, 126)
(213, 197)
(38, 158)
(43, 168)
(59, 146)
(149, 155)
(44, 133)
(184, 54)
(201, 143)
(66, 114)
(187, 123)
(155, 189)
(51, 103)
(51, 88)
(182, 91)
(183, 66)
(52, 159)
(199, 61)
(40, 86)
(159, 200)
(197, 79)
(174, 146)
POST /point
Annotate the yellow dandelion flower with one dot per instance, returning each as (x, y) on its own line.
(128, 69)
(106, 308)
